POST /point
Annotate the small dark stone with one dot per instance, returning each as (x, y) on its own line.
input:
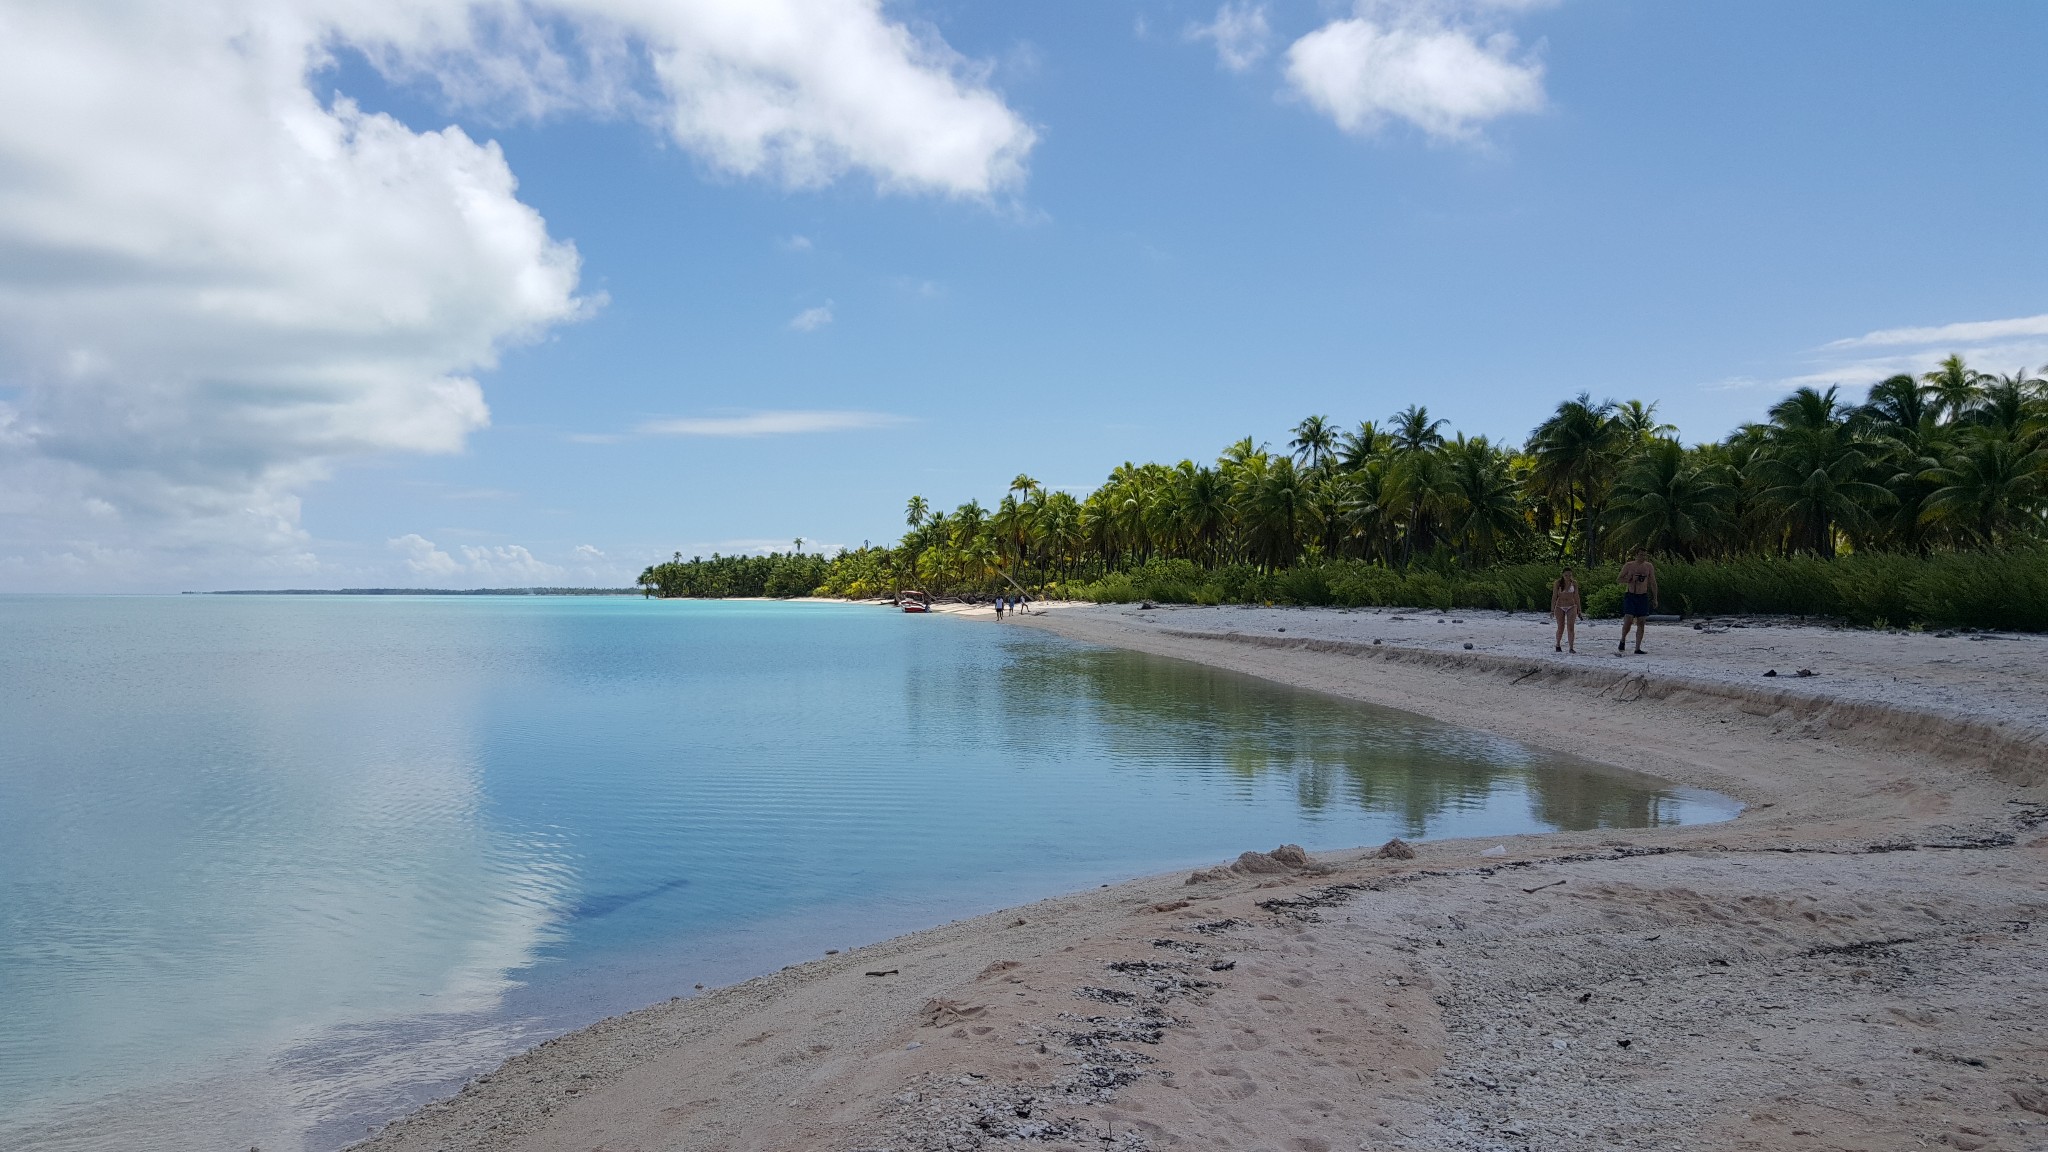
(1624, 1043)
(1772, 672)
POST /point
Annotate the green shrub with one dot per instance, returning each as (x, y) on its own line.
(1604, 602)
(1980, 590)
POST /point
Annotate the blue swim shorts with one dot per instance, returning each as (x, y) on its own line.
(1635, 603)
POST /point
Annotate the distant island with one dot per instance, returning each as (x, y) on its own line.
(421, 592)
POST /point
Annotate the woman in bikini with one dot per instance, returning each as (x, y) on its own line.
(1564, 608)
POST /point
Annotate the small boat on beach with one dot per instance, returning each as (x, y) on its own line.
(914, 601)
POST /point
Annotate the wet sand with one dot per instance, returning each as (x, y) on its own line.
(1855, 962)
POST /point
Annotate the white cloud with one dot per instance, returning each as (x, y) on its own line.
(1417, 63)
(796, 243)
(511, 562)
(1855, 362)
(811, 319)
(509, 565)
(217, 280)
(1240, 33)
(800, 90)
(589, 552)
(770, 423)
(422, 557)
(1975, 332)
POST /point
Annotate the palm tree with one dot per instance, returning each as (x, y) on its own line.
(1204, 501)
(967, 521)
(1638, 424)
(1992, 490)
(1414, 431)
(1361, 445)
(1314, 441)
(1412, 441)
(1955, 387)
(1366, 507)
(1483, 505)
(2010, 407)
(1574, 453)
(1899, 406)
(1902, 419)
(1668, 501)
(1812, 471)
(915, 511)
(1278, 507)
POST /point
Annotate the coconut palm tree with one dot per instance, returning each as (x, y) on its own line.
(1412, 439)
(1573, 456)
(1368, 513)
(1413, 431)
(1483, 505)
(1275, 506)
(1638, 425)
(1812, 472)
(1668, 501)
(1955, 387)
(1360, 445)
(2010, 407)
(1315, 440)
(1902, 418)
(1204, 499)
(915, 511)
(1993, 489)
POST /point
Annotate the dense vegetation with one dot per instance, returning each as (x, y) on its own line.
(780, 574)
(1925, 503)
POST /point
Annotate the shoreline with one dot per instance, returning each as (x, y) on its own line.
(1452, 1000)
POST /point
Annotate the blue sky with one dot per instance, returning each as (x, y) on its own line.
(1171, 225)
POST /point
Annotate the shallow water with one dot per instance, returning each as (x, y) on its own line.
(275, 868)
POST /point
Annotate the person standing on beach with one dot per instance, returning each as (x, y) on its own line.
(1638, 594)
(1565, 606)
(999, 607)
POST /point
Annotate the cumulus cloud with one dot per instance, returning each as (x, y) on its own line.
(783, 423)
(1240, 33)
(1421, 63)
(508, 565)
(218, 278)
(800, 90)
(811, 319)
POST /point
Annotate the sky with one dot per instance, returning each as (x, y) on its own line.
(501, 293)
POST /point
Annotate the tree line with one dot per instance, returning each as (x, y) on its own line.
(1954, 461)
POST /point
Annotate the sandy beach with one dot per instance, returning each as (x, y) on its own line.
(1856, 962)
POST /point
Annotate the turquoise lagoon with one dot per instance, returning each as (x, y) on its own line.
(275, 869)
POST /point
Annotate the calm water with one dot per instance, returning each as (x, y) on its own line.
(272, 869)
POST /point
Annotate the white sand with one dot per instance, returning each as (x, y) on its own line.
(1856, 962)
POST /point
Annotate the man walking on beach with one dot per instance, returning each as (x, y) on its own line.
(1638, 593)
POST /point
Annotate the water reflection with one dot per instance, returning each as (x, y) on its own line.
(274, 869)
(1334, 752)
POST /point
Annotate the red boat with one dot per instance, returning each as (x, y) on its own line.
(914, 601)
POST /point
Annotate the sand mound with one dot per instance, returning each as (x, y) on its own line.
(1285, 858)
